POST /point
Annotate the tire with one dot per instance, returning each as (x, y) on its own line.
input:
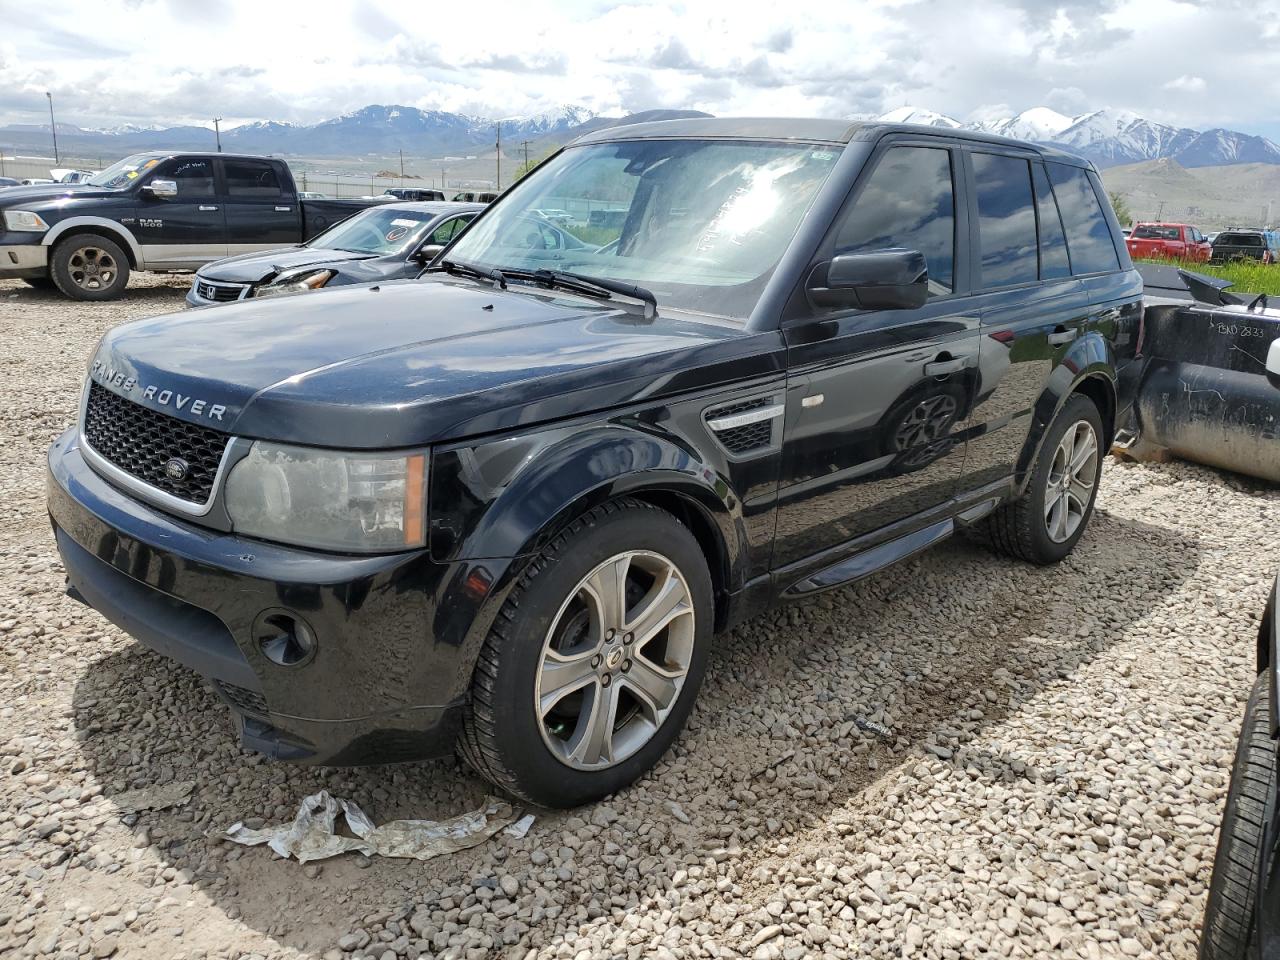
(1229, 921)
(1022, 528)
(39, 283)
(537, 745)
(89, 267)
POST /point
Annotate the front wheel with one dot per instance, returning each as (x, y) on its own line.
(89, 267)
(594, 660)
(1044, 525)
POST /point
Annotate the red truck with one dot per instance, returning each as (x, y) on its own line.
(1168, 241)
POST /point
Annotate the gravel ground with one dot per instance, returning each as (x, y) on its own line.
(960, 757)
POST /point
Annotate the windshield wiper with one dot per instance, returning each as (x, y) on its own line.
(590, 286)
(460, 269)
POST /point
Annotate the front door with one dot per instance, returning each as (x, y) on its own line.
(185, 231)
(262, 213)
(874, 397)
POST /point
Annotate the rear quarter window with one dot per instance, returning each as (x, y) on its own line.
(1006, 220)
(1088, 233)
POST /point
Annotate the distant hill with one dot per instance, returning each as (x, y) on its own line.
(1209, 197)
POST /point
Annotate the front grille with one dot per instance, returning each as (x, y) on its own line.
(140, 442)
(246, 701)
(219, 292)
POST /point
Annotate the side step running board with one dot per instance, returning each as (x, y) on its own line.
(869, 561)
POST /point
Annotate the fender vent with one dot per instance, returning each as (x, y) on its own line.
(747, 426)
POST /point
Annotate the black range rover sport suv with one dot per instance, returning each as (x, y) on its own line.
(506, 505)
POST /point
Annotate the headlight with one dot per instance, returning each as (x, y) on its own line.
(24, 220)
(295, 283)
(348, 502)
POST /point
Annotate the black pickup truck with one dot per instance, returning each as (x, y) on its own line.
(506, 505)
(155, 211)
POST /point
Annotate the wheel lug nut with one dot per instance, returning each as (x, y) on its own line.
(626, 665)
(606, 680)
(596, 660)
(610, 634)
(628, 638)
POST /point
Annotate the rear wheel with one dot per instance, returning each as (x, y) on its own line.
(594, 660)
(1229, 921)
(1044, 525)
(89, 267)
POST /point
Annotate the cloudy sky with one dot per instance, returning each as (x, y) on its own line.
(1201, 64)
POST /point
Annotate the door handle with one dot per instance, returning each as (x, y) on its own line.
(1060, 336)
(205, 208)
(940, 368)
(283, 209)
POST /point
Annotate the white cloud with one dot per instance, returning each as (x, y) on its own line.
(170, 61)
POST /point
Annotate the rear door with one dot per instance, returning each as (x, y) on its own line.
(1032, 306)
(261, 208)
(873, 395)
(185, 231)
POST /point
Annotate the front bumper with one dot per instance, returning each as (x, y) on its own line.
(396, 635)
(23, 260)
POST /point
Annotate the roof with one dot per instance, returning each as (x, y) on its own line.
(431, 206)
(806, 129)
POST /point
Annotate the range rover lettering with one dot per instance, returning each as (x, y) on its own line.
(505, 506)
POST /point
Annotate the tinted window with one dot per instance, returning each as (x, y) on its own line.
(1088, 234)
(1006, 220)
(251, 178)
(1240, 239)
(1149, 232)
(449, 229)
(194, 176)
(1053, 241)
(908, 201)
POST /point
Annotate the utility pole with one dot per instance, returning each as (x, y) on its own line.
(1159, 211)
(402, 166)
(525, 144)
(498, 126)
(442, 178)
(217, 132)
(53, 128)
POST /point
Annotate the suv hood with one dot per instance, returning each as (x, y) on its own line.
(41, 193)
(258, 266)
(412, 362)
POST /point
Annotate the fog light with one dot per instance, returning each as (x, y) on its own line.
(284, 639)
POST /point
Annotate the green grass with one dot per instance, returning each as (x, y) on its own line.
(596, 236)
(1249, 276)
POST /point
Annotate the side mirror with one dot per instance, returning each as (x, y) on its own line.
(1273, 363)
(891, 279)
(428, 252)
(162, 188)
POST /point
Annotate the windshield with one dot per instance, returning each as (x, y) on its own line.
(377, 231)
(121, 174)
(1155, 233)
(701, 224)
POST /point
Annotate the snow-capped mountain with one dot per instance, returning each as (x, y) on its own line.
(1111, 137)
(1038, 123)
(927, 118)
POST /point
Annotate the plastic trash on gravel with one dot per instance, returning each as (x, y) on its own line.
(312, 835)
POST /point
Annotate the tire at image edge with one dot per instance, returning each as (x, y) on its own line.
(502, 738)
(1228, 916)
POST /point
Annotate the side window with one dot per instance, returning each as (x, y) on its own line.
(251, 179)
(448, 230)
(194, 176)
(1006, 220)
(909, 202)
(1054, 262)
(1088, 233)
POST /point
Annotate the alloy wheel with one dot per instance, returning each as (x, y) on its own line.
(1072, 477)
(92, 268)
(615, 660)
(928, 420)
